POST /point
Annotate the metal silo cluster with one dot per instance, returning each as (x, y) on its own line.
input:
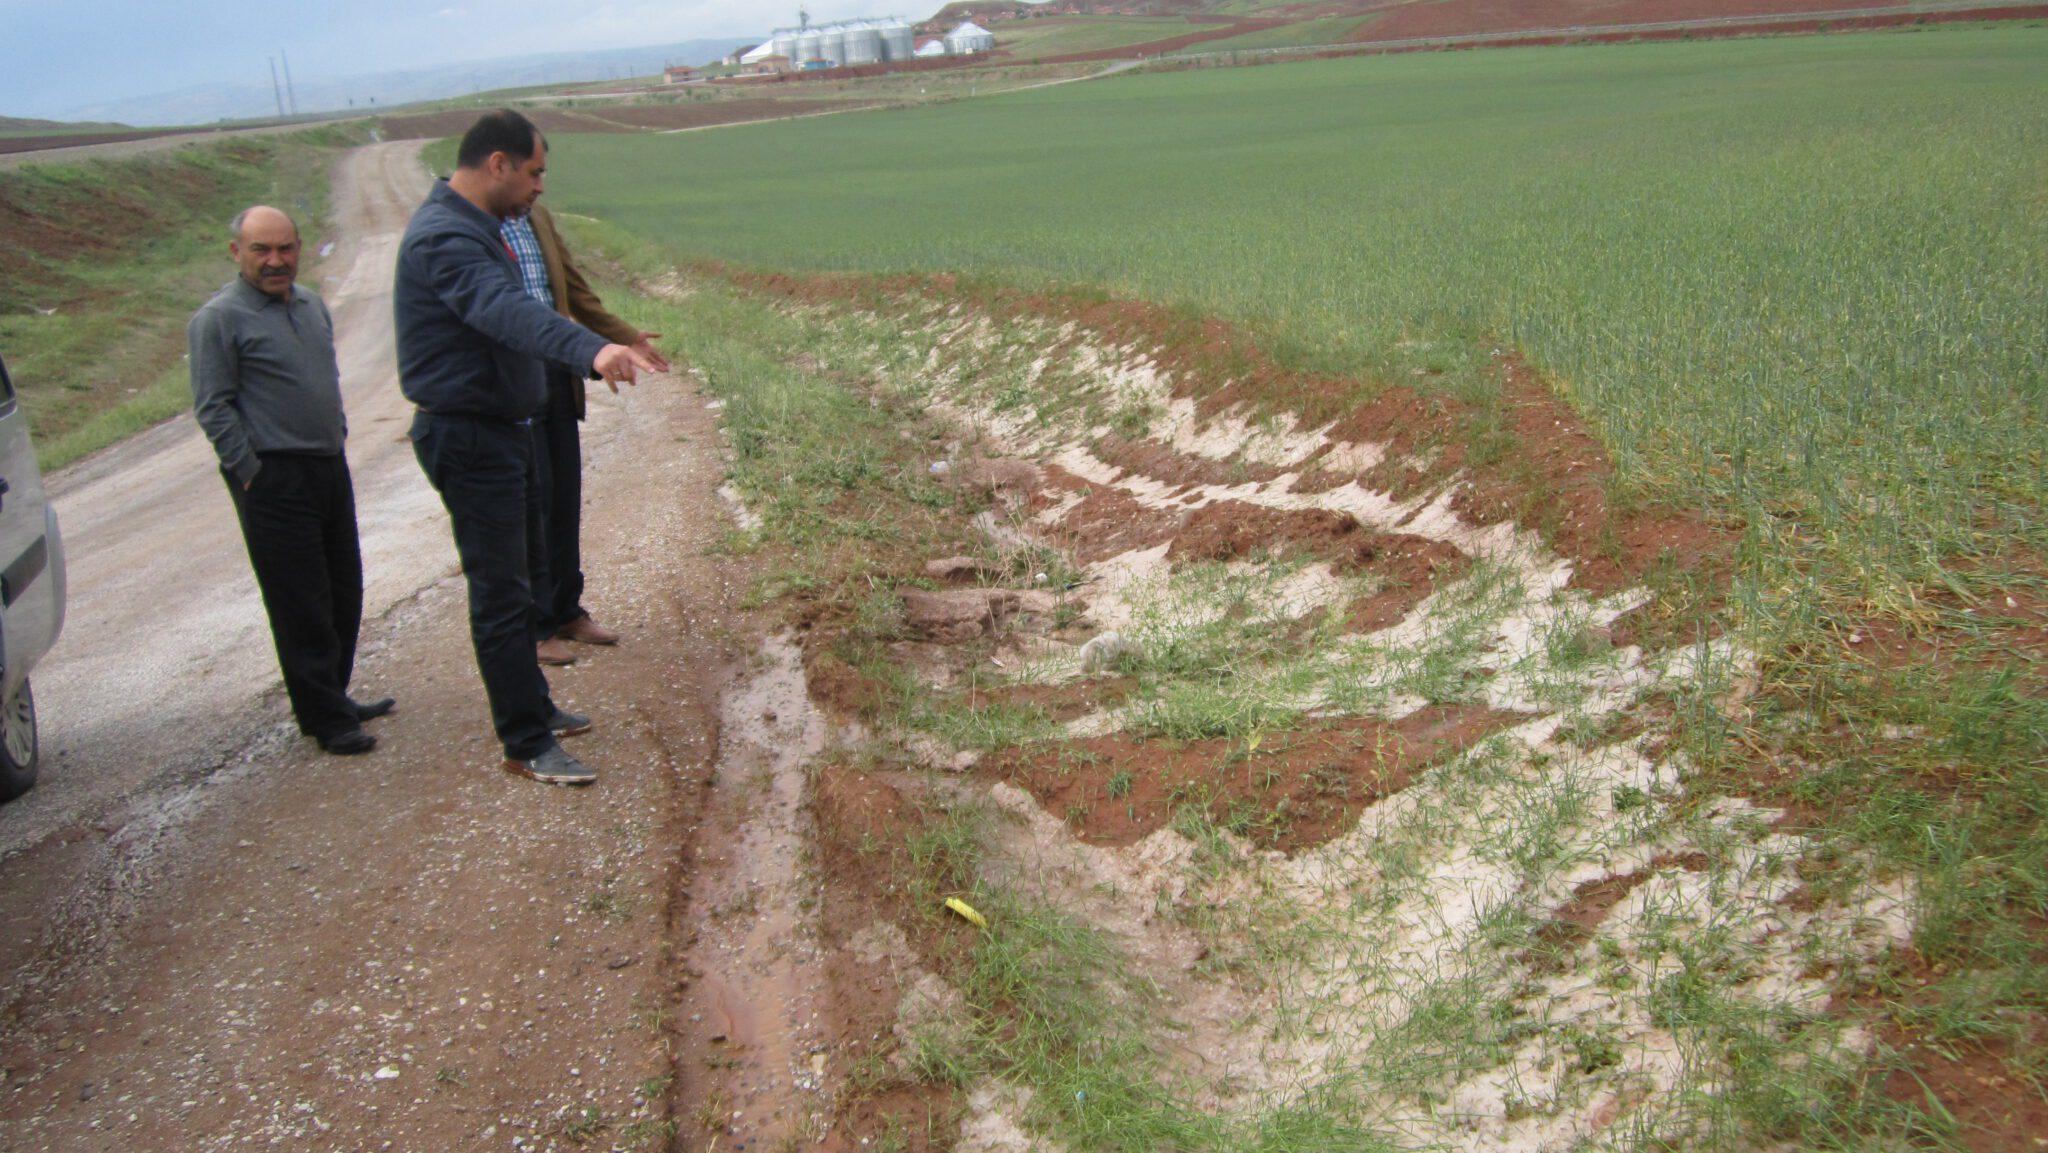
(846, 42)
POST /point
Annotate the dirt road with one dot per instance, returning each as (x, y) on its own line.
(165, 646)
(213, 934)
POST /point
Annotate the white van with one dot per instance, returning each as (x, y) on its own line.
(31, 591)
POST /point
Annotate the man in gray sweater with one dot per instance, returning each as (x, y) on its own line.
(266, 387)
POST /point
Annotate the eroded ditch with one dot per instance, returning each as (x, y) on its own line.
(1319, 766)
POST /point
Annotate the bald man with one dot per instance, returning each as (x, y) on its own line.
(266, 387)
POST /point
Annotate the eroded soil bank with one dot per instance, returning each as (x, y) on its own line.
(1322, 779)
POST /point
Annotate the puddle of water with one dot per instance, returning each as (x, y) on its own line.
(761, 962)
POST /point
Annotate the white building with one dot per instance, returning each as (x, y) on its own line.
(969, 39)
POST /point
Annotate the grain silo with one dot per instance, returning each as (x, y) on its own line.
(899, 41)
(810, 47)
(832, 45)
(863, 43)
(784, 42)
(968, 39)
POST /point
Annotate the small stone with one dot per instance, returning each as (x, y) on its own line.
(387, 1073)
(618, 962)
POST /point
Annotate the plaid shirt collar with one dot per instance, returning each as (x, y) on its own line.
(533, 267)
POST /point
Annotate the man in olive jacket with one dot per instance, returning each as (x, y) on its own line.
(554, 279)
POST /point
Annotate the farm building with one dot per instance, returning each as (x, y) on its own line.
(931, 47)
(844, 43)
(968, 39)
(768, 65)
(679, 74)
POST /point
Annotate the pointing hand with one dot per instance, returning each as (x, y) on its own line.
(616, 362)
(645, 347)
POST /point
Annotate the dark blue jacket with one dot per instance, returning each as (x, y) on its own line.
(470, 340)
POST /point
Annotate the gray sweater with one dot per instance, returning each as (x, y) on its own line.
(264, 376)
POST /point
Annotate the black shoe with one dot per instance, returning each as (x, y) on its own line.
(348, 743)
(568, 724)
(371, 710)
(553, 767)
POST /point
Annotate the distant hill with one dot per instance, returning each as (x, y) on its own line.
(207, 103)
(18, 125)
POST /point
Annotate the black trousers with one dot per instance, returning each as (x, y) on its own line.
(299, 521)
(560, 450)
(486, 473)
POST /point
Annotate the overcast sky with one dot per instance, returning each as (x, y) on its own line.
(62, 54)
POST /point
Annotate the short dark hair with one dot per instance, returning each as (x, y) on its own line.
(503, 131)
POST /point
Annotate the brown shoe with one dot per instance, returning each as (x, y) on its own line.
(555, 651)
(585, 631)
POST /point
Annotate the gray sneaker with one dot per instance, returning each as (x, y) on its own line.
(553, 767)
(567, 724)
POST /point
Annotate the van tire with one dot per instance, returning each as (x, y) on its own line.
(18, 747)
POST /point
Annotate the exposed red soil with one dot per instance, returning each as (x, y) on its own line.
(1297, 790)
(1226, 28)
(48, 226)
(1058, 702)
(702, 114)
(1996, 618)
(1995, 1110)
(1466, 17)
(1551, 475)
(1108, 522)
(74, 140)
(865, 822)
(1979, 1083)
(1375, 32)
(839, 686)
(1556, 480)
(618, 117)
(1570, 926)
(1408, 568)
(435, 125)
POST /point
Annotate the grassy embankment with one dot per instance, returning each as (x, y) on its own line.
(1794, 283)
(106, 260)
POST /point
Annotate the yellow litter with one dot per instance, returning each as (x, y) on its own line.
(967, 911)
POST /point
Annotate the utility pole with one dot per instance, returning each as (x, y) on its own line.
(274, 89)
(288, 81)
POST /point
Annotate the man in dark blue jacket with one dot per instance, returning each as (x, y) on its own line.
(471, 347)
